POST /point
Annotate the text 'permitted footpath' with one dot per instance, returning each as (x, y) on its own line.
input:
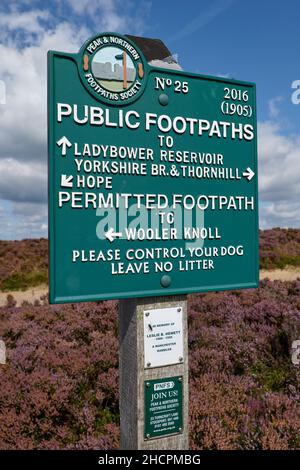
(152, 177)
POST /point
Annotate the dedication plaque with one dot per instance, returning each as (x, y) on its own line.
(163, 337)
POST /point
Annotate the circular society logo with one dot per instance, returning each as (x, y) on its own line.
(113, 69)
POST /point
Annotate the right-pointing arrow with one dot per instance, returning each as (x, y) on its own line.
(64, 143)
(66, 181)
(249, 174)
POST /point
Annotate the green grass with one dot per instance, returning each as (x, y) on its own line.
(114, 85)
(273, 378)
(282, 262)
(23, 281)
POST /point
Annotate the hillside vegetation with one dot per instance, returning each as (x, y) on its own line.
(279, 248)
(23, 264)
(59, 388)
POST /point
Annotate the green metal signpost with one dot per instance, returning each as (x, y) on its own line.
(152, 192)
(152, 189)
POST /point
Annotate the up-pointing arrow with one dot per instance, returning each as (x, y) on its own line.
(66, 181)
(64, 143)
(249, 174)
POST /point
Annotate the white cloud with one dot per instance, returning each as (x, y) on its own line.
(111, 19)
(280, 214)
(27, 32)
(20, 181)
(25, 38)
(30, 218)
(279, 177)
(23, 220)
(23, 117)
(279, 164)
(224, 75)
(28, 21)
(24, 71)
(273, 106)
(36, 212)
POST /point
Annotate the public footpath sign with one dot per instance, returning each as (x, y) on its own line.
(152, 177)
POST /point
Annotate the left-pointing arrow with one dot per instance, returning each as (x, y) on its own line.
(64, 143)
(111, 235)
(66, 181)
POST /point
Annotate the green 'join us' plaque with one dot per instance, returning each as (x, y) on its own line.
(163, 407)
(152, 177)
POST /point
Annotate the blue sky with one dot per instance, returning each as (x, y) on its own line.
(256, 41)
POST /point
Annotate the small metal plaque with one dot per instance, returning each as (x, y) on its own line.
(163, 337)
(163, 407)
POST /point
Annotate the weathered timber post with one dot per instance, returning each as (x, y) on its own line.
(134, 376)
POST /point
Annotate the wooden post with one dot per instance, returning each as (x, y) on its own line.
(134, 375)
(124, 71)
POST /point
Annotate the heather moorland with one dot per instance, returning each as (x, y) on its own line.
(59, 387)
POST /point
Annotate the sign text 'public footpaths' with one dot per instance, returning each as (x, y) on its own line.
(152, 177)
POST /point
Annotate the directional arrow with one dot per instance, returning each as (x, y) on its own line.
(111, 235)
(249, 174)
(66, 181)
(64, 143)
